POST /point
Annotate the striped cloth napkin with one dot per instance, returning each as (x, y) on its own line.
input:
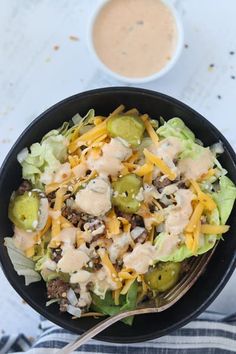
(210, 333)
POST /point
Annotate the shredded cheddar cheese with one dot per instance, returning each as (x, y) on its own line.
(127, 227)
(147, 179)
(98, 120)
(65, 223)
(196, 216)
(132, 112)
(151, 234)
(127, 286)
(79, 238)
(45, 229)
(211, 172)
(144, 169)
(90, 136)
(117, 111)
(116, 296)
(125, 275)
(214, 229)
(157, 161)
(123, 172)
(109, 266)
(204, 198)
(150, 130)
(130, 166)
(112, 223)
(73, 160)
(83, 181)
(196, 234)
(54, 186)
(189, 240)
(133, 157)
(99, 141)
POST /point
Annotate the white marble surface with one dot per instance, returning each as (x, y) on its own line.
(40, 64)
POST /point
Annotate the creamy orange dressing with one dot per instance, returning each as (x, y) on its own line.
(178, 218)
(95, 198)
(135, 38)
(194, 168)
(113, 154)
(141, 257)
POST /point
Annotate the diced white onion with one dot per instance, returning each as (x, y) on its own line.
(43, 213)
(72, 297)
(160, 228)
(166, 201)
(22, 155)
(74, 311)
(217, 148)
(50, 302)
(136, 232)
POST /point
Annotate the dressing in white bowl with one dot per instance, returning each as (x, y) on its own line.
(135, 41)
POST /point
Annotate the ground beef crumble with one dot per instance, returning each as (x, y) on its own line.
(56, 254)
(161, 183)
(71, 215)
(133, 219)
(51, 198)
(25, 186)
(57, 288)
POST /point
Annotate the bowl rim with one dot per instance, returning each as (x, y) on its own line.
(136, 80)
(54, 318)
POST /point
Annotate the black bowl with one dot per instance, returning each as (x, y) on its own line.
(219, 269)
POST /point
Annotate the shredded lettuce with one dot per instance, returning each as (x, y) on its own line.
(87, 119)
(177, 128)
(39, 265)
(107, 306)
(22, 265)
(79, 124)
(225, 198)
(45, 157)
(145, 143)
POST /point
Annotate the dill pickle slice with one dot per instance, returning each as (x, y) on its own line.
(24, 210)
(164, 276)
(125, 190)
(129, 128)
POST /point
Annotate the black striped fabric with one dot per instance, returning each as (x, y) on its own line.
(210, 333)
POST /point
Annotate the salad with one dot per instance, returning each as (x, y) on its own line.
(110, 209)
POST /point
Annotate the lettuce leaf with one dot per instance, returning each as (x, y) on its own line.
(22, 265)
(181, 252)
(225, 198)
(87, 119)
(192, 150)
(107, 306)
(78, 123)
(39, 265)
(177, 128)
(44, 157)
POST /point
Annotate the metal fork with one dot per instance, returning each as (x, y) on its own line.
(196, 267)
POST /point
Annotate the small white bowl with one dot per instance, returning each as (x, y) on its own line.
(138, 80)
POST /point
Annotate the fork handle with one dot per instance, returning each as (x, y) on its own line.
(69, 348)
